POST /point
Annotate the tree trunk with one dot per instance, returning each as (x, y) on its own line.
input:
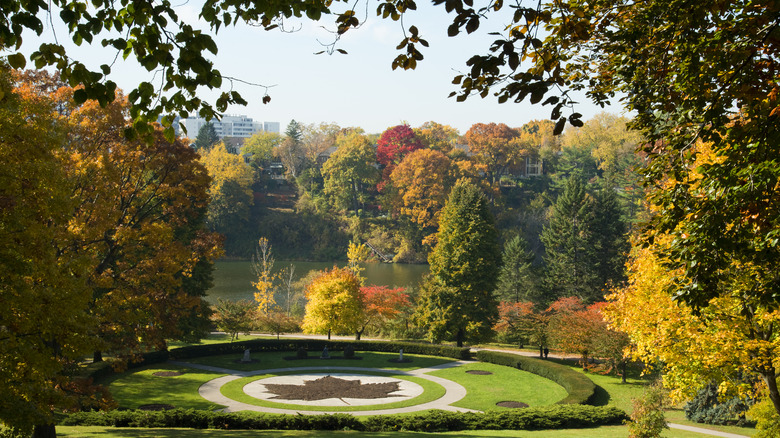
(97, 357)
(541, 351)
(459, 337)
(770, 379)
(358, 334)
(44, 431)
(329, 334)
(625, 367)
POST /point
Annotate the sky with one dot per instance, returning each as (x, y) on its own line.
(358, 89)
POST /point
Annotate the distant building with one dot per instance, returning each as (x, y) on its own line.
(230, 126)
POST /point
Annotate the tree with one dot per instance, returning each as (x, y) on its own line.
(260, 148)
(206, 138)
(380, 304)
(234, 317)
(732, 340)
(263, 265)
(568, 242)
(519, 322)
(393, 145)
(437, 136)
(294, 131)
(423, 180)
(44, 297)
(230, 190)
(610, 238)
(334, 303)
(495, 148)
(457, 299)
(514, 277)
(141, 218)
(350, 171)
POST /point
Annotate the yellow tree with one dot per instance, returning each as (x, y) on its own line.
(230, 189)
(334, 303)
(437, 136)
(263, 265)
(728, 341)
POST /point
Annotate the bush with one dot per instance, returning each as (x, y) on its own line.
(766, 418)
(581, 389)
(550, 417)
(706, 408)
(648, 420)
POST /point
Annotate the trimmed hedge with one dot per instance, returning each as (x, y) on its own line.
(549, 417)
(104, 369)
(581, 389)
(317, 345)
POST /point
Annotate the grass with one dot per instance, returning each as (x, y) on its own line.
(431, 392)
(505, 384)
(141, 387)
(275, 360)
(95, 431)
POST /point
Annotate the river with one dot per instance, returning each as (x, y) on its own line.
(233, 279)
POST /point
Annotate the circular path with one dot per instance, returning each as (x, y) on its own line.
(211, 389)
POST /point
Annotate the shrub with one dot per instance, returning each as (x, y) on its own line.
(349, 352)
(301, 353)
(550, 417)
(581, 389)
(648, 420)
(707, 408)
(766, 418)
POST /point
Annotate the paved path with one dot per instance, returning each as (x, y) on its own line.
(211, 389)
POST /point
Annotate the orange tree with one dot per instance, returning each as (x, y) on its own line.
(495, 148)
(380, 304)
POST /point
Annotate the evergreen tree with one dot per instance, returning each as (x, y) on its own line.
(570, 256)
(457, 298)
(294, 131)
(609, 238)
(207, 137)
(514, 281)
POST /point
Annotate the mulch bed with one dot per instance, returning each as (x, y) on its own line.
(156, 407)
(397, 360)
(512, 404)
(332, 387)
(167, 373)
(243, 361)
(479, 372)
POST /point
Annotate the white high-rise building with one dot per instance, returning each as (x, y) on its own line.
(271, 127)
(230, 126)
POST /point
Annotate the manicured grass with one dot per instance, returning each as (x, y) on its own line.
(601, 432)
(235, 390)
(275, 360)
(504, 384)
(140, 387)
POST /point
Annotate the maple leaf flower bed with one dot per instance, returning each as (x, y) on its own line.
(331, 388)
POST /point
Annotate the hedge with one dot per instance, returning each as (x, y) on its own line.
(267, 345)
(581, 389)
(549, 417)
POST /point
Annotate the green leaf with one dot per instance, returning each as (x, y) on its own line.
(17, 61)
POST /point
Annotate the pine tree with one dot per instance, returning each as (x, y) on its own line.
(514, 282)
(457, 298)
(610, 239)
(207, 137)
(570, 257)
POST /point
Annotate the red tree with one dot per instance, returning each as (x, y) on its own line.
(380, 303)
(394, 144)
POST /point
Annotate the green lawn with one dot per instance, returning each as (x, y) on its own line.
(504, 384)
(276, 360)
(141, 387)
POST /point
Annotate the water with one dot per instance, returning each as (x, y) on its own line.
(233, 279)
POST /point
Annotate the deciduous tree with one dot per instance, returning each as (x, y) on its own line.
(334, 304)
(234, 317)
(230, 190)
(423, 181)
(457, 298)
(350, 171)
(437, 136)
(495, 148)
(380, 304)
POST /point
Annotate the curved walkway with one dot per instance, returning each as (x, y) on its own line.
(211, 389)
